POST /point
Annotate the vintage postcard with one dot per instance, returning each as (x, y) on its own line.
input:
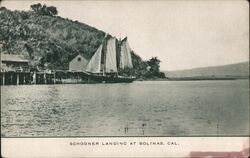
(124, 78)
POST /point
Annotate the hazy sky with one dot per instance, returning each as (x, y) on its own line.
(182, 34)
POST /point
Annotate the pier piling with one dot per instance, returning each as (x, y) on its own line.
(3, 78)
(54, 77)
(34, 78)
(11, 78)
(24, 79)
(45, 79)
(17, 79)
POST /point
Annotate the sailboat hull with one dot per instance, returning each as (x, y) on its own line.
(111, 79)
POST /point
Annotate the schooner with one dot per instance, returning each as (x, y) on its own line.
(110, 58)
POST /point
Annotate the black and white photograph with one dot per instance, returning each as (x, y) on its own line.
(124, 69)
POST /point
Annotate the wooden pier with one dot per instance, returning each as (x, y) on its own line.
(55, 77)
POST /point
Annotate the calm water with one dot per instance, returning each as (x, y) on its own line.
(150, 108)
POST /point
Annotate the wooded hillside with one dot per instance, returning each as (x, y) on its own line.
(50, 41)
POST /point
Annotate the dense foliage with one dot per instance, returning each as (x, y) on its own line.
(154, 68)
(50, 41)
(44, 10)
(47, 40)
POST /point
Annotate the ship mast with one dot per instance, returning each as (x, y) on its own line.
(118, 55)
(104, 55)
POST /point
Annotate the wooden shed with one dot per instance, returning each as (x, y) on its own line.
(79, 63)
(13, 62)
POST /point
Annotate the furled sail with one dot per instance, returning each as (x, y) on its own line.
(125, 55)
(94, 64)
(110, 59)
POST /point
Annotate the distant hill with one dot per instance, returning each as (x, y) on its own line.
(50, 41)
(240, 70)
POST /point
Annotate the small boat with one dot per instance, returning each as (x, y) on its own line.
(109, 61)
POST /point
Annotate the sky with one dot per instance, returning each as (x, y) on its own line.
(182, 34)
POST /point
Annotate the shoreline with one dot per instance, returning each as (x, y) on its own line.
(195, 79)
(75, 81)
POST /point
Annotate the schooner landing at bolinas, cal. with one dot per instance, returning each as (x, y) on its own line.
(111, 58)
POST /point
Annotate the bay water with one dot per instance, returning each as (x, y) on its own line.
(141, 108)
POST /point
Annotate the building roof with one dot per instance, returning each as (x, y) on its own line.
(84, 56)
(13, 58)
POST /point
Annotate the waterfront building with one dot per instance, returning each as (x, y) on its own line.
(11, 62)
(79, 63)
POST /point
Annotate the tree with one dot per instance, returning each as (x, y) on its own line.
(2, 9)
(52, 10)
(36, 7)
(154, 65)
(44, 10)
(154, 68)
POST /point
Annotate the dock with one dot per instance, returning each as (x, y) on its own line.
(43, 77)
